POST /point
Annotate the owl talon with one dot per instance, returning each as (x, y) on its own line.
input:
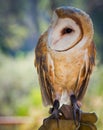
(55, 106)
(55, 112)
(76, 110)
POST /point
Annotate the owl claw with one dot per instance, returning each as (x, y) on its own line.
(76, 114)
(54, 111)
(76, 110)
(55, 107)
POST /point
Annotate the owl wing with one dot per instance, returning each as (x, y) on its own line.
(41, 62)
(86, 71)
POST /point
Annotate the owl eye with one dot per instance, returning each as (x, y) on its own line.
(67, 31)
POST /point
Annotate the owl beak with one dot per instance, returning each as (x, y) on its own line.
(52, 38)
(55, 41)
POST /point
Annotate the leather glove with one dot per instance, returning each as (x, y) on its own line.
(86, 123)
(66, 122)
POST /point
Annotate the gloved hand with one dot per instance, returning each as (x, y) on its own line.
(87, 122)
(66, 122)
(51, 124)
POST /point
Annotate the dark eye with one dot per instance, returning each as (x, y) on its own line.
(66, 30)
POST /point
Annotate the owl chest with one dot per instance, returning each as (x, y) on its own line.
(66, 68)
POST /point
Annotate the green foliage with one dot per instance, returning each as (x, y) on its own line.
(18, 82)
(12, 29)
(22, 21)
(17, 34)
(35, 94)
(96, 81)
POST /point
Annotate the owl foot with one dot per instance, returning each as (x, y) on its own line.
(76, 110)
(54, 111)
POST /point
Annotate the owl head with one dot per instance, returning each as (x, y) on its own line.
(70, 27)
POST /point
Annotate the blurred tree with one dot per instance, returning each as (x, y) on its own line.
(53, 4)
(95, 9)
(56, 3)
(35, 14)
(22, 21)
(12, 28)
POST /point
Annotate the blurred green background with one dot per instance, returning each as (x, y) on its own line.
(21, 23)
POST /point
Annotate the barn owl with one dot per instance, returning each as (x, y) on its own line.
(64, 57)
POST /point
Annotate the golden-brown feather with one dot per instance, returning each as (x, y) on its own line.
(42, 69)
